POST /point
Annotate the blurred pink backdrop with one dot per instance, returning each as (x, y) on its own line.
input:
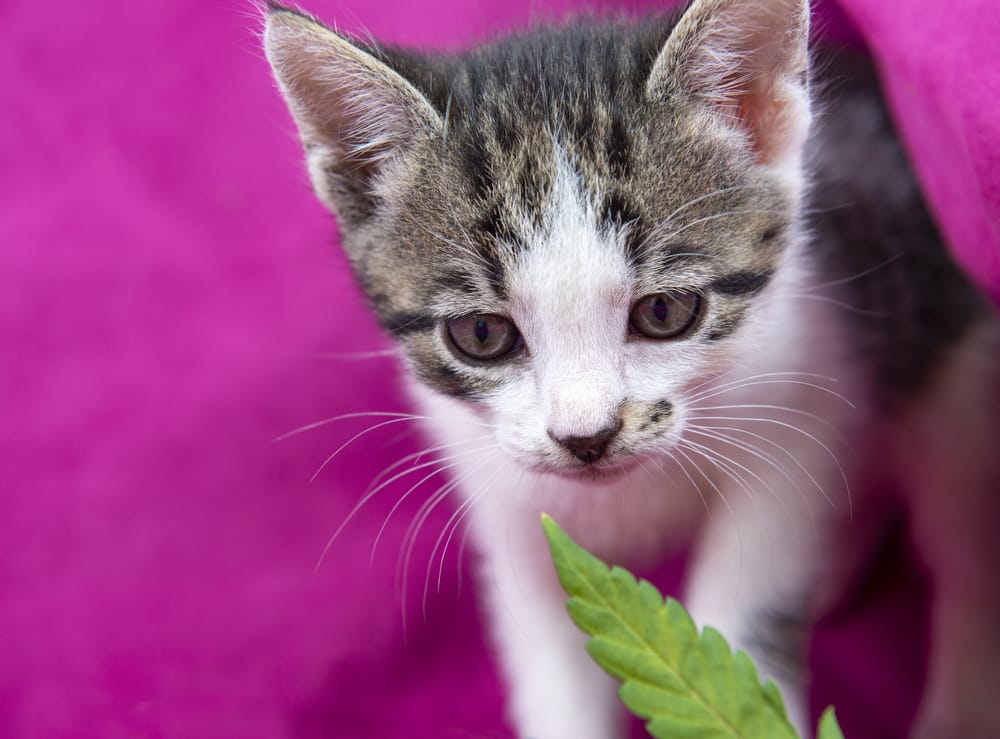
(170, 296)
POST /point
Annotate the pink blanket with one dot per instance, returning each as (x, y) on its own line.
(171, 301)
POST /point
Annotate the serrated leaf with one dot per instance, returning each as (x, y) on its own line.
(684, 684)
(828, 726)
(773, 696)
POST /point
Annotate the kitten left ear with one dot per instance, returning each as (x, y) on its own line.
(354, 113)
(747, 62)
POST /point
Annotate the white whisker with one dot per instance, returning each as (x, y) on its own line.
(346, 416)
(453, 461)
(858, 275)
(841, 304)
(694, 485)
(726, 464)
(354, 438)
(666, 222)
(468, 251)
(750, 448)
(796, 429)
(711, 217)
(367, 497)
(453, 523)
(415, 457)
(712, 432)
(742, 381)
(714, 193)
(707, 479)
(765, 406)
(739, 386)
(353, 356)
(413, 531)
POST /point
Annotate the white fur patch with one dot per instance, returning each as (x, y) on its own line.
(570, 296)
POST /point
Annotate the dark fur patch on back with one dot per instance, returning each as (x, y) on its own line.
(878, 249)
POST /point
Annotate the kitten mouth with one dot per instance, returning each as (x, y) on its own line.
(598, 472)
(595, 474)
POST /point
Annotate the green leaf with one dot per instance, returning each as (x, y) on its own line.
(828, 726)
(684, 684)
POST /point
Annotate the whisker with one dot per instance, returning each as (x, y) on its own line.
(451, 526)
(707, 479)
(850, 278)
(422, 515)
(415, 457)
(346, 416)
(739, 382)
(354, 438)
(765, 406)
(357, 507)
(353, 356)
(364, 500)
(711, 394)
(752, 449)
(696, 486)
(714, 193)
(458, 517)
(645, 468)
(736, 523)
(840, 304)
(792, 427)
(705, 219)
(666, 222)
(410, 539)
(711, 432)
(726, 464)
(451, 459)
(460, 247)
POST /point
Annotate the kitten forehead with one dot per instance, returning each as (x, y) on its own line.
(571, 285)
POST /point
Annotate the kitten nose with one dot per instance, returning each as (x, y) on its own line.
(588, 449)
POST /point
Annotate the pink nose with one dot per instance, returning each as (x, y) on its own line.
(588, 449)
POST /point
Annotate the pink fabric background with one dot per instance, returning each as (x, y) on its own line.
(167, 288)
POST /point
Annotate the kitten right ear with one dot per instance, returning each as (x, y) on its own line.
(353, 112)
(746, 62)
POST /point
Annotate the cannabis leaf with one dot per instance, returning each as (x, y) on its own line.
(683, 683)
(828, 726)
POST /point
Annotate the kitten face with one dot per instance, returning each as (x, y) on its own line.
(563, 230)
(569, 283)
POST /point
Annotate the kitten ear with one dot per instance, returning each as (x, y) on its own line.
(746, 61)
(353, 112)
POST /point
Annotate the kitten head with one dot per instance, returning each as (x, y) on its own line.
(570, 229)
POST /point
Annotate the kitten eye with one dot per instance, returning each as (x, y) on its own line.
(483, 336)
(665, 315)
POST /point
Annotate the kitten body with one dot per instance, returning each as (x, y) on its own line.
(632, 294)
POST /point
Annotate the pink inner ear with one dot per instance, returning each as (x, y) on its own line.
(748, 62)
(760, 115)
(765, 110)
(756, 113)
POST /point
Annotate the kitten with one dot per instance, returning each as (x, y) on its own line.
(628, 255)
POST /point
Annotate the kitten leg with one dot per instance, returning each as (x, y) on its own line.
(752, 580)
(762, 568)
(556, 691)
(950, 448)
